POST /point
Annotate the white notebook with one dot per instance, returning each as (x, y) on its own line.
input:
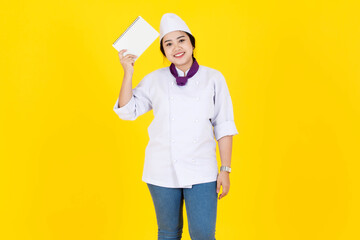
(136, 38)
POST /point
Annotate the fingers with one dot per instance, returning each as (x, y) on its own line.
(122, 52)
(225, 191)
(128, 60)
(130, 56)
(223, 181)
(121, 55)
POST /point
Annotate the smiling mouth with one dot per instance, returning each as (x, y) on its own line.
(179, 54)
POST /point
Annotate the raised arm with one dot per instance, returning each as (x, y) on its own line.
(132, 103)
(127, 63)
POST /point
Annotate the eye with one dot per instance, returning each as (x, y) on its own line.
(168, 44)
(182, 40)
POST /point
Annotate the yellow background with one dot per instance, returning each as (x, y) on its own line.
(71, 169)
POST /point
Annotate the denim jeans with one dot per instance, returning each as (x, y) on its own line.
(201, 208)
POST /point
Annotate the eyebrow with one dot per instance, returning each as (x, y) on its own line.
(176, 38)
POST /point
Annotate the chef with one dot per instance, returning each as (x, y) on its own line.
(192, 110)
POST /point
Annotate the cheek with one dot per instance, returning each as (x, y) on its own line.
(167, 51)
(167, 55)
(189, 47)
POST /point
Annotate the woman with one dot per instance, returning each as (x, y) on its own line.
(191, 104)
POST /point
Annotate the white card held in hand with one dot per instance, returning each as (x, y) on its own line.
(136, 38)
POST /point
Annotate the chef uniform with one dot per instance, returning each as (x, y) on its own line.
(181, 150)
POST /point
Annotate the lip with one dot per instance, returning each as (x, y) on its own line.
(183, 53)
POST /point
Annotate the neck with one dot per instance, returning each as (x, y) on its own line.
(186, 66)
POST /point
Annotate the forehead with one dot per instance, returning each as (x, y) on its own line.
(174, 35)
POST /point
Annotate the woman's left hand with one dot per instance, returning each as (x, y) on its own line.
(223, 180)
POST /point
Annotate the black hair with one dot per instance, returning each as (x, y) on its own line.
(192, 40)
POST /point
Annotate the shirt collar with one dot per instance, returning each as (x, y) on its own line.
(181, 73)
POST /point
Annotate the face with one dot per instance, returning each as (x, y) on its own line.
(178, 49)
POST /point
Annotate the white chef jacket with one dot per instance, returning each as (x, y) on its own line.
(182, 150)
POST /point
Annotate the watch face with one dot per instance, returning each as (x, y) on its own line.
(227, 169)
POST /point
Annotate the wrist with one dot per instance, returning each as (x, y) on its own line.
(128, 74)
(225, 169)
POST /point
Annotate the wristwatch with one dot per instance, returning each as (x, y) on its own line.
(226, 169)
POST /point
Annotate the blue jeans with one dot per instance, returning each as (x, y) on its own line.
(201, 208)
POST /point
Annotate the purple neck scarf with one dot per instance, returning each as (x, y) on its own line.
(181, 81)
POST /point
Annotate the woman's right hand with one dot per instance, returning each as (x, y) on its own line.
(127, 62)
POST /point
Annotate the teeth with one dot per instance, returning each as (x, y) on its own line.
(178, 55)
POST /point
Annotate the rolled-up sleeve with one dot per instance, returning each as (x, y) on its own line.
(223, 120)
(138, 104)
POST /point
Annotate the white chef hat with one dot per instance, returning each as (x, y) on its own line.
(171, 22)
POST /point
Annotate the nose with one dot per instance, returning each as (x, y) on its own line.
(177, 47)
